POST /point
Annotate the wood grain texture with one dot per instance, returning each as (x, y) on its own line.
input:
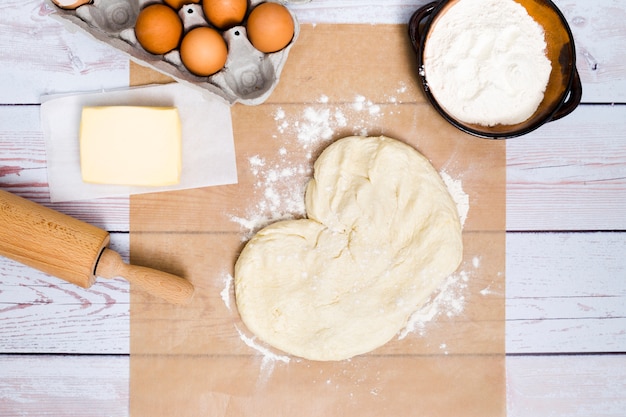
(570, 299)
(97, 386)
(570, 174)
(40, 56)
(51, 385)
(574, 386)
(598, 30)
(564, 291)
(43, 314)
(50, 241)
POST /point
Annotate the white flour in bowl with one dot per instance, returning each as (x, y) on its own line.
(485, 62)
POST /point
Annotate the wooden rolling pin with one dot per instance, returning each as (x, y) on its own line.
(75, 251)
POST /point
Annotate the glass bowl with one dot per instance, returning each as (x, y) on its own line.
(563, 91)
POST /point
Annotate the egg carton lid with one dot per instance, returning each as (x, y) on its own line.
(248, 77)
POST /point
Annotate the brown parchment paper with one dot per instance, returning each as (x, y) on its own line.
(199, 360)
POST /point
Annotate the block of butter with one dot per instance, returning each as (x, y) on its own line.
(130, 145)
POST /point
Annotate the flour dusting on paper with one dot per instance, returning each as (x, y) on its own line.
(278, 193)
(251, 342)
(449, 300)
(460, 197)
(228, 290)
(280, 183)
(268, 358)
(279, 187)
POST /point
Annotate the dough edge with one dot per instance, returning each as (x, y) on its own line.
(246, 268)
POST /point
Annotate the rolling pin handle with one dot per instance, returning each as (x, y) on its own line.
(171, 288)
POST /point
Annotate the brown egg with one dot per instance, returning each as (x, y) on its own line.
(225, 14)
(177, 4)
(203, 51)
(158, 29)
(270, 27)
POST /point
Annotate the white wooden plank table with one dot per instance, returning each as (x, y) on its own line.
(64, 350)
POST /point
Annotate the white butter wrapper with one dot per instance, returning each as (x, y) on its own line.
(208, 148)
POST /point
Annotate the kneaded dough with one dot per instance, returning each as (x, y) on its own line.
(382, 233)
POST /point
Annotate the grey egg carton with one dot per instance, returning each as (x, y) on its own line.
(248, 77)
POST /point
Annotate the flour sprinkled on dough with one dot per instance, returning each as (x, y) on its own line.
(279, 179)
(273, 200)
(382, 233)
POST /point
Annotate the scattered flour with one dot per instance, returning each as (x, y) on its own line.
(449, 300)
(251, 342)
(269, 358)
(227, 291)
(280, 182)
(460, 197)
(318, 123)
(279, 194)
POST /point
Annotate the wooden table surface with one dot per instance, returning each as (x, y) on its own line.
(65, 350)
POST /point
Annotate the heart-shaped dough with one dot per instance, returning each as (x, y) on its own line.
(382, 233)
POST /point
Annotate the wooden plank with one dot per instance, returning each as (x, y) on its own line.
(40, 56)
(566, 292)
(551, 265)
(43, 314)
(570, 174)
(563, 292)
(598, 30)
(64, 318)
(573, 386)
(565, 307)
(584, 170)
(566, 336)
(49, 385)
(97, 386)
(347, 11)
